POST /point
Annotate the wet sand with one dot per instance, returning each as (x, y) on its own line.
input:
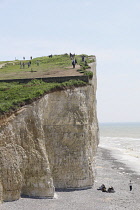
(110, 172)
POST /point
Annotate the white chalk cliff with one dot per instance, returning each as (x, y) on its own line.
(50, 144)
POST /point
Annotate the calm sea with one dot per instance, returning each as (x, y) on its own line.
(123, 140)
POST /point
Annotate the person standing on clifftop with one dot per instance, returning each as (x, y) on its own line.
(130, 185)
(73, 63)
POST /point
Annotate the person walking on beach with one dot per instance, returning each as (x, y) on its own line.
(130, 185)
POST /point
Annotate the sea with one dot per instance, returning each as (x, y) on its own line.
(123, 142)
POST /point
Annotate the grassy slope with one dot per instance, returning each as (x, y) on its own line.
(15, 95)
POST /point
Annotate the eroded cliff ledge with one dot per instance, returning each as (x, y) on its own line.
(50, 144)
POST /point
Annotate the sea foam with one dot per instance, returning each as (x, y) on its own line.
(124, 149)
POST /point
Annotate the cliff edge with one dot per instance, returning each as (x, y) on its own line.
(50, 144)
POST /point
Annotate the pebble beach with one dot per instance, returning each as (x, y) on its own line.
(109, 171)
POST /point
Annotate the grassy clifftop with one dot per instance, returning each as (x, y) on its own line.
(14, 95)
(39, 67)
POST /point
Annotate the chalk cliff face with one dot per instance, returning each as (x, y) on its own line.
(50, 144)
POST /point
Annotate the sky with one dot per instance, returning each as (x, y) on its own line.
(110, 30)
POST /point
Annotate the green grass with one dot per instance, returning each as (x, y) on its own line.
(14, 95)
(89, 74)
(84, 68)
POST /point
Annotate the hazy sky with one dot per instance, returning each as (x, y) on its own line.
(105, 28)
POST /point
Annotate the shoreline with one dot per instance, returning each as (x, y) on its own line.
(113, 172)
(109, 171)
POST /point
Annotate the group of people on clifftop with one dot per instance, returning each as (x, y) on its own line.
(74, 61)
(72, 57)
(22, 64)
